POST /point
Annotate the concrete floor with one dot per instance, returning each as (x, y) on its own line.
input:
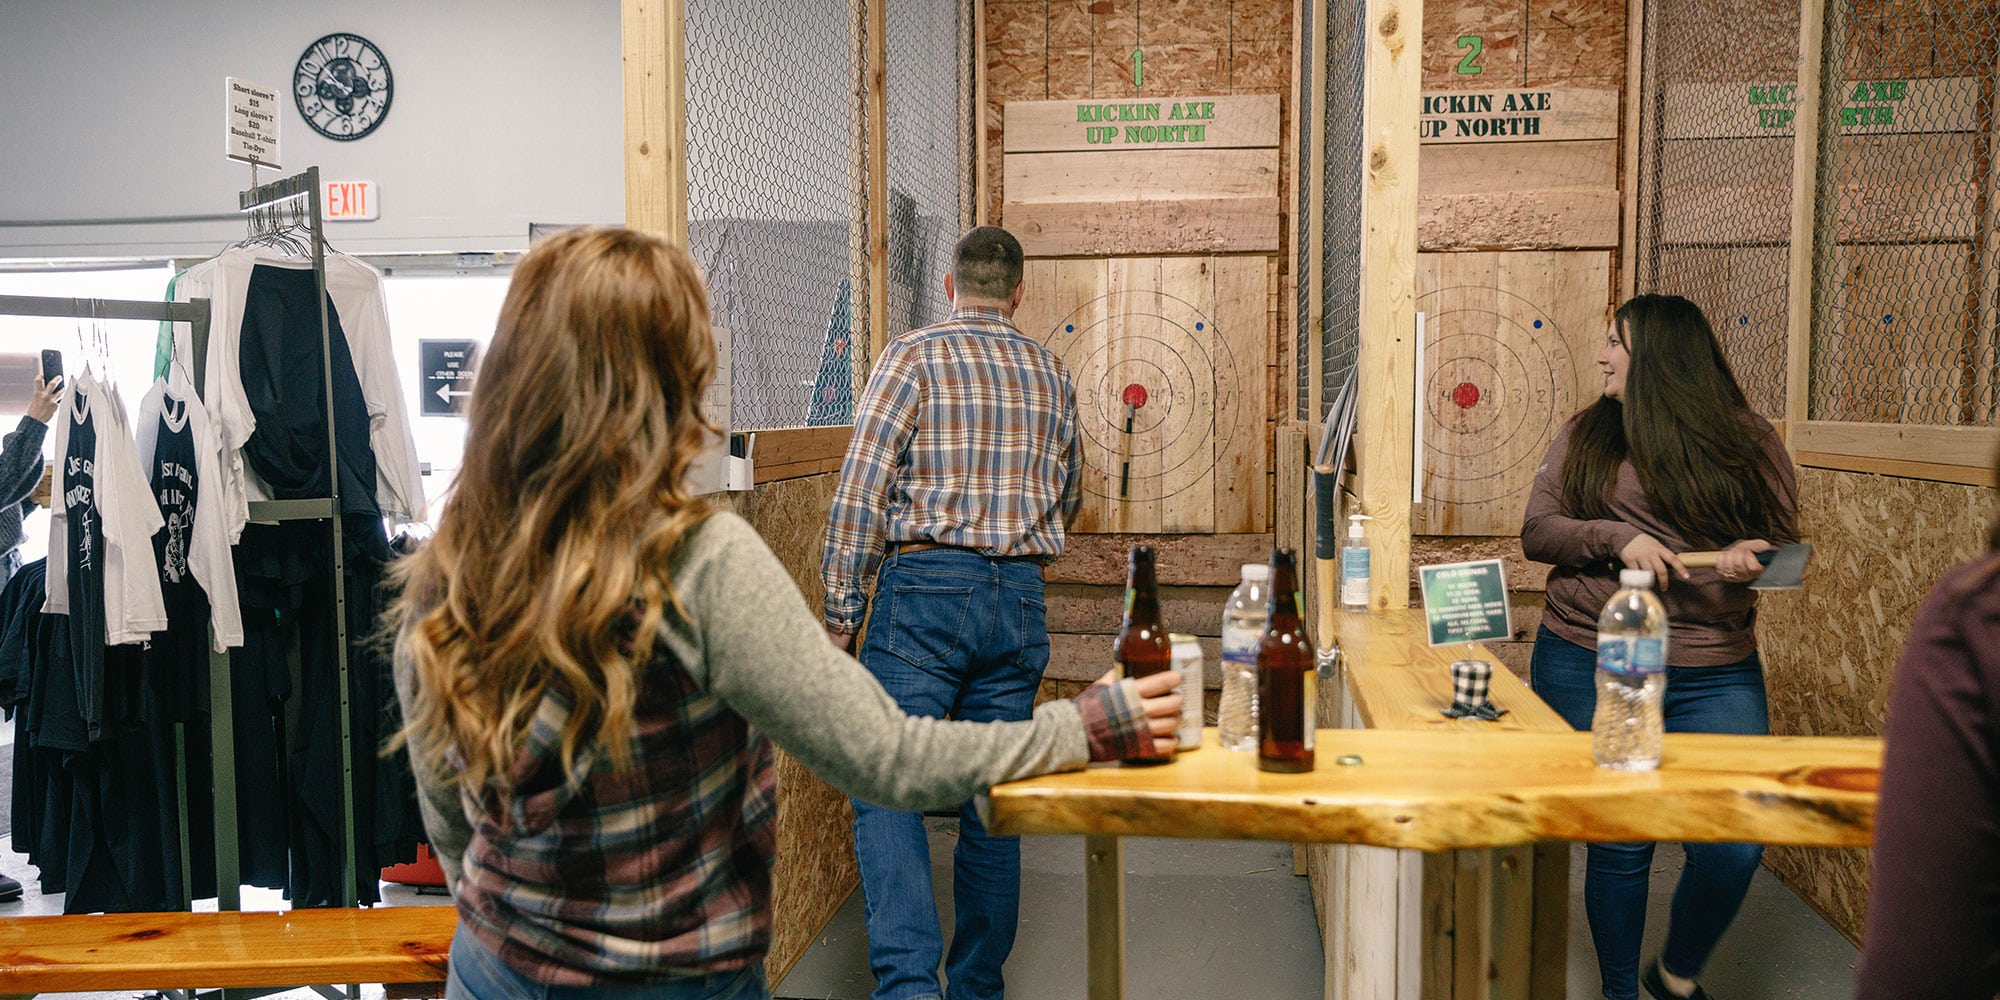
(1242, 926)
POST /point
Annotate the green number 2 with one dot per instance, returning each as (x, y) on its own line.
(1476, 45)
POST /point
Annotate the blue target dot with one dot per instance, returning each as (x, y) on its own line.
(1197, 326)
(1069, 327)
(1538, 324)
(1742, 321)
(1887, 318)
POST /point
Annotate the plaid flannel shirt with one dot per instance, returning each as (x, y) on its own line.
(967, 436)
(630, 875)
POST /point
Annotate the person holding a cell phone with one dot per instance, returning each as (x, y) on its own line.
(21, 471)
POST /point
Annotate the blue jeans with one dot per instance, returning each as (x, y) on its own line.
(951, 633)
(1728, 699)
(476, 973)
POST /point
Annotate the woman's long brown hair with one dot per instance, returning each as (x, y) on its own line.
(1682, 425)
(549, 565)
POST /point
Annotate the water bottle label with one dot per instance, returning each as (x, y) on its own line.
(1631, 654)
(1239, 645)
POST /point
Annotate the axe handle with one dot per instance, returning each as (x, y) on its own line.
(1706, 560)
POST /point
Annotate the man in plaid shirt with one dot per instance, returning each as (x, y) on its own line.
(964, 471)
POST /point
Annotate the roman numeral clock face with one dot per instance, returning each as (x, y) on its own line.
(342, 86)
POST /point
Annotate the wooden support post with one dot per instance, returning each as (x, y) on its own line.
(1635, 77)
(971, 112)
(1312, 56)
(653, 34)
(1387, 358)
(1104, 888)
(878, 179)
(1548, 968)
(1309, 28)
(1982, 407)
(1811, 246)
(860, 329)
(981, 186)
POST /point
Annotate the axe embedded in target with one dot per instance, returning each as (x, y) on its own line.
(1135, 397)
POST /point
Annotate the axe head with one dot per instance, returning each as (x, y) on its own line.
(1784, 567)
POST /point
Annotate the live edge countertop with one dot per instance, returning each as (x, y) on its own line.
(1431, 783)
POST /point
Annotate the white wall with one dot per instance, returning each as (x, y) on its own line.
(505, 112)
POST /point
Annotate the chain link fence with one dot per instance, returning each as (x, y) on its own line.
(1715, 174)
(1906, 251)
(772, 206)
(1906, 302)
(928, 82)
(1343, 47)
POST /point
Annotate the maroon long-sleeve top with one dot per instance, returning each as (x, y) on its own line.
(1933, 930)
(1713, 620)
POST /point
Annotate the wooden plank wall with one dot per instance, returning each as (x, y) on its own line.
(1072, 50)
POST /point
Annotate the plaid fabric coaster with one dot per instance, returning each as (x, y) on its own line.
(1470, 681)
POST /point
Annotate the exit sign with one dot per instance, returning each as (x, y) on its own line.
(349, 201)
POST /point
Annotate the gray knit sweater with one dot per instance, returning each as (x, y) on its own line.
(20, 471)
(751, 640)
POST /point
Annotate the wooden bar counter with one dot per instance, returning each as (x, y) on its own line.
(1438, 852)
(1440, 791)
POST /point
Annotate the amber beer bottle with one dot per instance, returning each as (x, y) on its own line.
(1143, 646)
(1286, 684)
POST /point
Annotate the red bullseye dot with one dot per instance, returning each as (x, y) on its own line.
(1466, 395)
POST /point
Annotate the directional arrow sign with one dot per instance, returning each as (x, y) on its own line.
(447, 367)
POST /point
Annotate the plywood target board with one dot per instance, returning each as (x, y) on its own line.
(1168, 358)
(1509, 354)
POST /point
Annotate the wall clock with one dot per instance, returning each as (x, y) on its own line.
(342, 86)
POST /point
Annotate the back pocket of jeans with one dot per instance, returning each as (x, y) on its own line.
(926, 622)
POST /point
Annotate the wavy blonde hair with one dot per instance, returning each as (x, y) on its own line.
(550, 562)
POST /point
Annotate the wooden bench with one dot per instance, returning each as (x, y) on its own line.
(155, 951)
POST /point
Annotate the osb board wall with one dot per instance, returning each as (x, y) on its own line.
(1830, 650)
(1059, 50)
(815, 868)
(1523, 195)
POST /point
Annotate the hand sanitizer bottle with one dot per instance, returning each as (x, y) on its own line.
(1354, 566)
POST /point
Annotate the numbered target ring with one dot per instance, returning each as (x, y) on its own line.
(1169, 366)
(1499, 377)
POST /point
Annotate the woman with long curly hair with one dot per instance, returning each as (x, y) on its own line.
(594, 664)
(1671, 459)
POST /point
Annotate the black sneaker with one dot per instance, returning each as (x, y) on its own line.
(10, 890)
(1657, 986)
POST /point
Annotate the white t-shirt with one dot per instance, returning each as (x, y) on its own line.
(356, 290)
(208, 545)
(133, 606)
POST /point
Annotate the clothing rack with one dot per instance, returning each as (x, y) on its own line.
(257, 203)
(196, 315)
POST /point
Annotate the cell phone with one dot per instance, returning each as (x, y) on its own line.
(51, 365)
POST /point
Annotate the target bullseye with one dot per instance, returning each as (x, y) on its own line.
(1466, 395)
(1158, 393)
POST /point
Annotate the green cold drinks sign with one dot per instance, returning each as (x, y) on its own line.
(1466, 602)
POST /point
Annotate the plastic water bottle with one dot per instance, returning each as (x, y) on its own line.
(1243, 619)
(1631, 676)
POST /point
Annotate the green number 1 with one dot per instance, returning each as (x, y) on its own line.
(1138, 69)
(1476, 45)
